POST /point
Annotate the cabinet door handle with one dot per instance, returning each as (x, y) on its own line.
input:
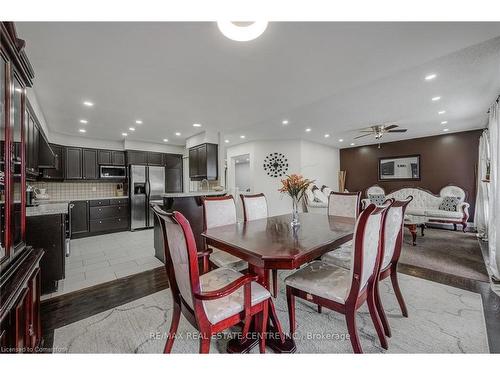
(100, 209)
(31, 331)
(100, 222)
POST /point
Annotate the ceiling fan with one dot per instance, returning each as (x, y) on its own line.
(379, 130)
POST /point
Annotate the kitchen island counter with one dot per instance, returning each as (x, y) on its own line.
(194, 194)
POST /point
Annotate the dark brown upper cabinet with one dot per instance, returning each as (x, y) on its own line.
(32, 145)
(118, 157)
(104, 157)
(203, 162)
(73, 163)
(173, 161)
(155, 158)
(56, 173)
(137, 157)
(90, 164)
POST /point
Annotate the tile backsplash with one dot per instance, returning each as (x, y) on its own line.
(78, 190)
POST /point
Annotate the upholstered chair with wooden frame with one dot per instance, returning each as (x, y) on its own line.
(218, 211)
(344, 204)
(255, 208)
(214, 301)
(393, 242)
(342, 290)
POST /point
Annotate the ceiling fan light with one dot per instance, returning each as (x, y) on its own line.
(242, 33)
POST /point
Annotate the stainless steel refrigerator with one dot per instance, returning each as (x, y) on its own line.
(146, 184)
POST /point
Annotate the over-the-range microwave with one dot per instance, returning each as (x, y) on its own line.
(112, 171)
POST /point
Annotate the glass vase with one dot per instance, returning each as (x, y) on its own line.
(295, 212)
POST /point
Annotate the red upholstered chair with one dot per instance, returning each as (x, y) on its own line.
(393, 241)
(254, 208)
(218, 211)
(344, 290)
(211, 302)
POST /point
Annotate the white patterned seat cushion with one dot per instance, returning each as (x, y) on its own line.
(223, 259)
(343, 205)
(443, 214)
(323, 280)
(340, 257)
(255, 207)
(222, 308)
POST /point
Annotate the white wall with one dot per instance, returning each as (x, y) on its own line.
(313, 160)
(242, 176)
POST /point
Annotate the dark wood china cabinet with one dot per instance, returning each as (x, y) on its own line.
(20, 329)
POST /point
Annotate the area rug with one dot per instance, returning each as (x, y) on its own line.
(446, 251)
(442, 319)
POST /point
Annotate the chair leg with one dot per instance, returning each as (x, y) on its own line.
(204, 343)
(350, 318)
(372, 307)
(455, 227)
(262, 326)
(290, 299)
(381, 312)
(319, 309)
(464, 226)
(275, 283)
(397, 291)
(176, 316)
(275, 320)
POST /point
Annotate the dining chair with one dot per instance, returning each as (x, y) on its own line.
(342, 290)
(393, 240)
(211, 302)
(255, 208)
(218, 211)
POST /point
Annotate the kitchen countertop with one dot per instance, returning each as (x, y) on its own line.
(53, 201)
(193, 194)
(47, 209)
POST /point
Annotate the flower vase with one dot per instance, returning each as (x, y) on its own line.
(295, 212)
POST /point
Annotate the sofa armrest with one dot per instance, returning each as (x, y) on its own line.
(365, 203)
(464, 209)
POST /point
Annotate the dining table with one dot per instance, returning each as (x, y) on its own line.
(274, 244)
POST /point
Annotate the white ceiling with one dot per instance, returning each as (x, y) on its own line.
(332, 77)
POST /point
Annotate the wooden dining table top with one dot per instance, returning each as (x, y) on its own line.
(273, 243)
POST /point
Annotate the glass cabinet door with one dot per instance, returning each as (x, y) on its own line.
(16, 164)
(3, 88)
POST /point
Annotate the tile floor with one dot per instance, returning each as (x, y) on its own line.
(99, 259)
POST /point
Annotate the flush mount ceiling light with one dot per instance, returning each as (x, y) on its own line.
(284, 122)
(242, 31)
(327, 135)
(308, 130)
(124, 134)
(88, 104)
(131, 129)
(226, 141)
(197, 125)
(352, 144)
(436, 98)
(165, 140)
(341, 140)
(242, 136)
(444, 122)
(138, 122)
(178, 134)
(430, 77)
(441, 112)
(445, 130)
(83, 121)
(82, 130)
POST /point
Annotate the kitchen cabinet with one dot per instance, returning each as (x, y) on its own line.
(173, 180)
(73, 163)
(137, 157)
(104, 157)
(118, 158)
(203, 162)
(32, 145)
(109, 157)
(56, 173)
(155, 159)
(173, 161)
(90, 169)
(79, 218)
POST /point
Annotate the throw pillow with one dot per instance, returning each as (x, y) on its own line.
(377, 199)
(449, 204)
(319, 196)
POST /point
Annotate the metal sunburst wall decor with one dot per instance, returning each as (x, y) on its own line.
(276, 164)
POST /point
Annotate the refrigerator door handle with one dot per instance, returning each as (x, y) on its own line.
(148, 189)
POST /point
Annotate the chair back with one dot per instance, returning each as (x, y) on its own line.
(393, 237)
(254, 206)
(368, 243)
(344, 204)
(218, 211)
(181, 260)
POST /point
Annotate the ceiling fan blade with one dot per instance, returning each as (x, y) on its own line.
(397, 131)
(360, 136)
(386, 128)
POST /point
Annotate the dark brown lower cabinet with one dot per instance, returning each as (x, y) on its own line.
(79, 218)
(20, 326)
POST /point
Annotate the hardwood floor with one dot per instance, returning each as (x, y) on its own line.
(69, 308)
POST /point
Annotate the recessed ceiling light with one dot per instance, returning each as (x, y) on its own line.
(242, 136)
(83, 121)
(308, 130)
(131, 129)
(352, 144)
(436, 98)
(226, 140)
(237, 161)
(242, 33)
(165, 140)
(124, 134)
(82, 130)
(284, 122)
(444, 122)
(441, 112)
(430, 77)
(178, 134)
(138, 122)
(327, 135)
(88, 104)
(197, 125)
(446, 129)
(341, 140)
(248, 159)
